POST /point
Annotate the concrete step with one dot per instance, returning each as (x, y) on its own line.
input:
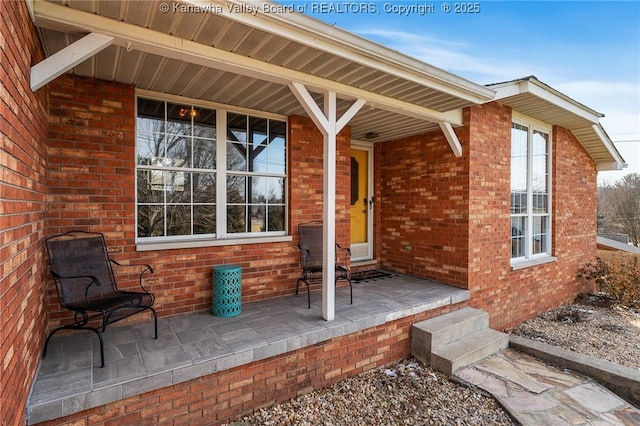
(435, 332)
(467, 350)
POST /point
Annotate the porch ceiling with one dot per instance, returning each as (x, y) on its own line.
(296, 44)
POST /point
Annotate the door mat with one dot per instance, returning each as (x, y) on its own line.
(369, 275)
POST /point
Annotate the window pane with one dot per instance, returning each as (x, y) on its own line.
(539, 172)
(540, 234)
(518, 236)
(518, 169)
(236, 189)
(177, 186)
(204, 153)
(276, 218)
(179, 220)
(258, 189)
(204, 123)
(236, 157)
(258, 131)
(151, 221)
(258, 219)
(150, 187)
(204, 188)
(149, 130)
(236, 219)
(236, 127)
(204, 219)
(275, 190)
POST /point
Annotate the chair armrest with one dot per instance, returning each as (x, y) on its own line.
(146, 267)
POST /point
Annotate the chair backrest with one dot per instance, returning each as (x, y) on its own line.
(310, 237)
(73, 258)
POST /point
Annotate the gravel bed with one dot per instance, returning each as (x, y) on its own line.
(409, 393)
(406, 393)
(609, 333)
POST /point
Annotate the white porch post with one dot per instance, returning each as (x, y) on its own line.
(328, 123)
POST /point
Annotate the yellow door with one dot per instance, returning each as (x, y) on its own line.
(359, 196)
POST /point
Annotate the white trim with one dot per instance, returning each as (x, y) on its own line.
(535, 125)
(369, 148)
(608, 144)
(151, 246)
(62, 18)
(67, 58)
(221, 237)
(517, 264)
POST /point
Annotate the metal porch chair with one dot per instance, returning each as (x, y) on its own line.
(310, 245)
(85, 282)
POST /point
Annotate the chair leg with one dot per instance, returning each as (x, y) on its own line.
(308, 291)
(46, 342)
(155, 323)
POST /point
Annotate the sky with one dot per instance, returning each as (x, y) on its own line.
(588, 50)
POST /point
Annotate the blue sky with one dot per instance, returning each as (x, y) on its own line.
(589, 50)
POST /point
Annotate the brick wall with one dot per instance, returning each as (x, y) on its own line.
(227, 395)
(422, 207)
(447, 218)
(92, 182)
(513, 296)
(23, 131)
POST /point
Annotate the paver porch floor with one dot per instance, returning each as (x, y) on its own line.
(70, 379)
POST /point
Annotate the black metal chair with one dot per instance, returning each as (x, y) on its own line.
(86, 285)
(310, 245)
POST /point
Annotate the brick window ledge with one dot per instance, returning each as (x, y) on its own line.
(522, 264)
(169, 245)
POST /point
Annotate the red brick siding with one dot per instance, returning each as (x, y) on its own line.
(454, 214)
(225, 396)
(422, 207)
(92, 170)
(23, 131)
(513, 296)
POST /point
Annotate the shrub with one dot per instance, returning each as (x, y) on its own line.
(617, 276)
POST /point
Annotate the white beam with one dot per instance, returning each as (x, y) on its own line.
(349, 114)
(66, 19)
(454, 143)
(67, 58)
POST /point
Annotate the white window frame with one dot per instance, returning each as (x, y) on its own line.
(530, 259)
(222, 237)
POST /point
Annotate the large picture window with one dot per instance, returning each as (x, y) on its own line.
(530, 191)
(194, 182)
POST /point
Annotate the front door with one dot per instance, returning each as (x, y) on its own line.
(361, 201)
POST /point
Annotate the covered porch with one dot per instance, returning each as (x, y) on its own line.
(193, 346)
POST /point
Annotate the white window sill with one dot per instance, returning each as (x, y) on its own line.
(527, 263)
(210, 243)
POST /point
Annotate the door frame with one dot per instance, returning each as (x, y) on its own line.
(368, 252)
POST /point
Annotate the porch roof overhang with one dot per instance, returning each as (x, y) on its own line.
(212, 51)
(534, 98)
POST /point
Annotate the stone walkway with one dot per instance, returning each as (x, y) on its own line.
(535, 393)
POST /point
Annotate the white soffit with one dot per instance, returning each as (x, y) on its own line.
(531, 97)
(399, 85)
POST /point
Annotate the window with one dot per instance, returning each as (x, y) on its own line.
(184, 162)
(530, 191)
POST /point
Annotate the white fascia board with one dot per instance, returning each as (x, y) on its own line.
(67, 58)
(319, 35)
(62, 18)
(618, 162)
